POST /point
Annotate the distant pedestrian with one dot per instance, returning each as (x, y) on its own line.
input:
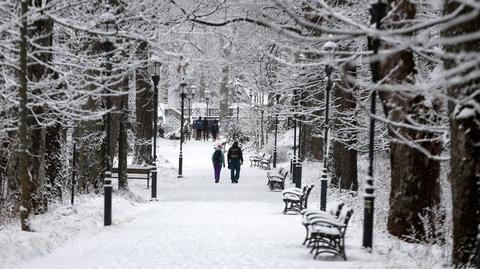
(218, 160)
(199, 128)
(235, 160)
(214, 129)
(205, 129)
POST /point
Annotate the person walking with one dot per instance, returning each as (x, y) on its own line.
(205, 129)
(235, 160)
(214, 129)
(218, 160)
(199, 128)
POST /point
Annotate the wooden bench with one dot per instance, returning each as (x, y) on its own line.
(296, 199)
(276, 181)
(255, 159)
(328, 235)
(266, 161)
(135, 173)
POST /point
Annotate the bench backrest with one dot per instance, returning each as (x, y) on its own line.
(134, 170)
(304, 199)
(267, 157)
(339, 210)
(348, 216)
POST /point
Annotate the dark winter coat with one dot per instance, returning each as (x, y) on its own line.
(235, 153)
(222, 157)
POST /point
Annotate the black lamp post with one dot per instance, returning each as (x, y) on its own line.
(108, 23)
(191, 96)
(330, 48)
(294, 118)
(207, 98)
(183, 84)
(378, 11)
(237, 95)
(155, 71)
(277, 97)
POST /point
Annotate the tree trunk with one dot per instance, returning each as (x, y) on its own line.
(53, 162)
(415, 185)
(344, 158)
(123, 139)
(144, 112)
(41, 34)
(464, 142)
(23, 175)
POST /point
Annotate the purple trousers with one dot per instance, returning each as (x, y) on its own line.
(217, 167)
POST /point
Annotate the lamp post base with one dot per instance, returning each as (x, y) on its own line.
(323, 190)
(180, 166)
(369, 208)
(275, 157)
(298, 174)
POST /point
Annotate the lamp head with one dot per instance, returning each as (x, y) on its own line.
(155, 69)
(193, 89)
(183, 84)
(108, 21)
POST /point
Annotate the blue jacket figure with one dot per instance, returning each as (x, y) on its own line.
(214, 129)
(218, 161)
(199, 128)
(235, 160)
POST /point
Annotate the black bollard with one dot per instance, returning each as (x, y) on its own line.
(73, 173)
(368, 216)
(154, 184)
(107, 188)
(323, 190)
(293, 172)
(298, 174)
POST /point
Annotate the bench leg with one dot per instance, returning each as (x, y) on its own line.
(286, 207)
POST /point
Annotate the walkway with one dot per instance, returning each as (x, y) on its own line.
(196, 224)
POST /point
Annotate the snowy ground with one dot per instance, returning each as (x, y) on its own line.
(195, 224)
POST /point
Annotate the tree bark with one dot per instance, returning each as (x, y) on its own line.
(144, 112)
(53, 162)
(123, 139)
(344, 158)
(41, 34)
(26, 193)
(415, 188)
(464, 142)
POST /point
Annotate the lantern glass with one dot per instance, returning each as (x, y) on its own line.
(156, 68)
(330, 48)
(183, 84)
(108, 22)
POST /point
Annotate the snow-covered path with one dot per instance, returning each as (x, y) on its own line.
(196, 224)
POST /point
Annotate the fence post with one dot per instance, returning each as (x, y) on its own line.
(107, 189)
(154, 183)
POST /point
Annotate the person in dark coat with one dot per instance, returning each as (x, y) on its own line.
(235, 160)
(218, 160)
(214, 129)
(199, 128)
(205, 129)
